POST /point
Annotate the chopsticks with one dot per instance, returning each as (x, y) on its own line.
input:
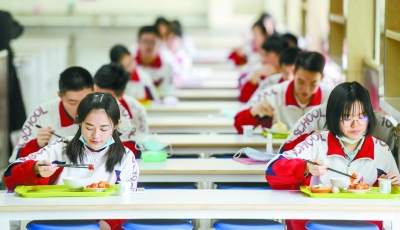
(333, 170)
(69, 165)
(38, 126)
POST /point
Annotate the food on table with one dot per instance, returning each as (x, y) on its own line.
(359, 186)
(91, 167)
(352, 178)
(320, 188)
(279, 127)
(335, 189)
(101, 184)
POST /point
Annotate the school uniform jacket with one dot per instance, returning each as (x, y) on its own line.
(315, 119)
(250, 90)
(141, 86)
(136, 112)
(286, 170)
(281, 96)
(21, 171)
(161, 73)
(52, 114)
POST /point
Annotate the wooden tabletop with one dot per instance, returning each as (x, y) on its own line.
(193, 107)
(200, 166)
(207, 94)
(199, 204)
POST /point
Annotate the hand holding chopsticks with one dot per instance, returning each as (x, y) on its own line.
(38, 126)
(330, 169)
(88, 166)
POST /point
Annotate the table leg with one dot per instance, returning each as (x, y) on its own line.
(4, 223)
(204, 224)
(395, 224)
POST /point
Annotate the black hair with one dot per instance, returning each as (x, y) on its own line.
(265, 16)
(341, 100)
(290, 38)
(261, 26)
(97, 101)
(288, 56)
(117, 52)
(311, 61)
(112, 76)
(161, 20)
(175, 28)
(148, 29)
(75, 79)
(275, 44)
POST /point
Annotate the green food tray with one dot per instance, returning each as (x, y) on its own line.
(344, 194)
(39, 191)
(276, 135)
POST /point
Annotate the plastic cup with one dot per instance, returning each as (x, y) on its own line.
(125, 188)
(247, 130)
(385, 185)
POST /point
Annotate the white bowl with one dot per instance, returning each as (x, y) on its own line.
(340, 182)
(75, 184)
(358, 191)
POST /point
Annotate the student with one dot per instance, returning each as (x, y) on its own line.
(187, 41)
(315, 119)
(57, 116)
(270, 54)
(96, 142)
(113, 78)
(286, 102)
(181, 61)
(162, 26)
(286, 61)
(140, 85)
(250, 53)
(291, 39)
(149, 58)
(347, 146)
(268, 23)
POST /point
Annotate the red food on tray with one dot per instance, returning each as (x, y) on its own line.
(101, 184)
(91, 167)
(359, 186)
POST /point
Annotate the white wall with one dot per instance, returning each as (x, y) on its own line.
(196, 13)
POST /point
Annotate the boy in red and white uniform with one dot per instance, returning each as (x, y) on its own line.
(288, 101)
(149, 58)
(112, 78)
(140, 84)
(270, 54)
(58, 116)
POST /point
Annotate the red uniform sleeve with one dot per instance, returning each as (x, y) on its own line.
(29, 148)
(237, 59)
(247, 91)
(131, 145)
(115, 224)
(245, 118)
(23, 174)
(286, 174)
